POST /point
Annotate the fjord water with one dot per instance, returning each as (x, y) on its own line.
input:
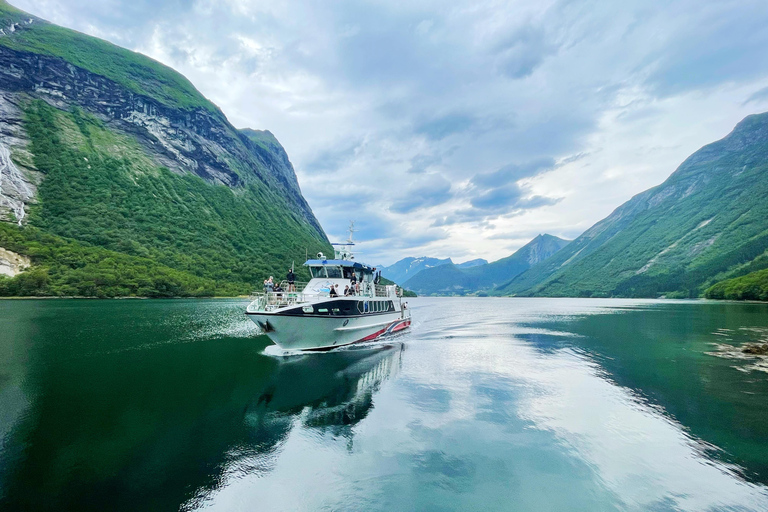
(485, 404)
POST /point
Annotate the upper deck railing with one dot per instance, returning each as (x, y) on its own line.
(269, 300)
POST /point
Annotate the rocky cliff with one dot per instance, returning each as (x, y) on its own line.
(184, 140)
(82, 117)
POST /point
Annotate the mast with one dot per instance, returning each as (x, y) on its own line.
(351, 232)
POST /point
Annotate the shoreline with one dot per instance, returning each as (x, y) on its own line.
(80, 297)
(246, 297)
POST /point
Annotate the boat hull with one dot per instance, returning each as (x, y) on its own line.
(327, 332)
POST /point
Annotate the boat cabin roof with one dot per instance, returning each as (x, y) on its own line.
(337, 263)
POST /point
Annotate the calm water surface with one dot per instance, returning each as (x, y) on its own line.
(486, 404)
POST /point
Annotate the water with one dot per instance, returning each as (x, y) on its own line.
(486, 404)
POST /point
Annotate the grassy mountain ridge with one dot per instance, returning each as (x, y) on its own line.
(130, 164)
(708, 221)
(135, 71)
(452, 279)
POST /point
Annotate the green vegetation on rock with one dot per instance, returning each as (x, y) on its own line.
(123, 204)
(132, 70)
(753, 286)
(142, 185)
(69, 268)
(707, 222)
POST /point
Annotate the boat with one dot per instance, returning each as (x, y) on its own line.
(308, 316)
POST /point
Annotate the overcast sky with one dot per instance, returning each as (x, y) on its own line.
(459, 128)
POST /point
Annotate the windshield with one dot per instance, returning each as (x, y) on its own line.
(334, 272)
(317, 271)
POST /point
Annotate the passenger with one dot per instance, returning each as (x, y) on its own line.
(353, 282)
(270, 284)
(347, 291)
(333, 292)
(291, 278)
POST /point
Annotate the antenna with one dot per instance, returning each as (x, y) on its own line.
(351, 231)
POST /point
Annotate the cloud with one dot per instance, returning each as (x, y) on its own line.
(443, 126)
(513, 172)
(758, 96)
(434, 190)
(331, 159)
(520, 53)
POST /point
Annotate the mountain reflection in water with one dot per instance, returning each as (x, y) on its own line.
(486, 404)
(136, 420)
(330, 392)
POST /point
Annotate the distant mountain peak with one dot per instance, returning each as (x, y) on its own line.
(708, 220)
(455, 279)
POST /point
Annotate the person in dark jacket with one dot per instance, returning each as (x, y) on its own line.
(291, 278)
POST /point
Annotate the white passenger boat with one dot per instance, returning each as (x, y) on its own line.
(311, 318)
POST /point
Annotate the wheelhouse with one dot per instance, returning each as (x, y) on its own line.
(339, 269)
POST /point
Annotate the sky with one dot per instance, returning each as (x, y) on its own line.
(459, 129)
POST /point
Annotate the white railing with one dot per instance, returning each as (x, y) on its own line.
(269, 300)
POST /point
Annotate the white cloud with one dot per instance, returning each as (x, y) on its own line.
(374, 99)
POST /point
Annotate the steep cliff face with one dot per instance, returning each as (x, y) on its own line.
(80, 117)
(197, 141)
(17, 188)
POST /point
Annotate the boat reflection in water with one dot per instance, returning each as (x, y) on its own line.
(331, 393)
(335, 388)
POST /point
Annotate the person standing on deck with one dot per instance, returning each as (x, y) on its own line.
(353, 282)
(291, 278)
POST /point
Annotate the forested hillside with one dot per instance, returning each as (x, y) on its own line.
(119, 174)
(707, 222)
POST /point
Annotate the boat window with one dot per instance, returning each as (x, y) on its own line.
(391, 306)
(317, 271)
(334, 272)
(323, 311)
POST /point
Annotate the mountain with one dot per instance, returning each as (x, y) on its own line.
(406, 268)
(707, 222)
(453, 280)
(753, 286)
(472, 263)
(120, 178)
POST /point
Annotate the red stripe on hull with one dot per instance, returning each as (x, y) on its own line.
(402, 326)
(372, 336)
(399, 325)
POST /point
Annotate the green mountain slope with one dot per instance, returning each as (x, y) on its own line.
(134, 71)
(134, 161)
(707, 222)
(753, 286)
(451, 279)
